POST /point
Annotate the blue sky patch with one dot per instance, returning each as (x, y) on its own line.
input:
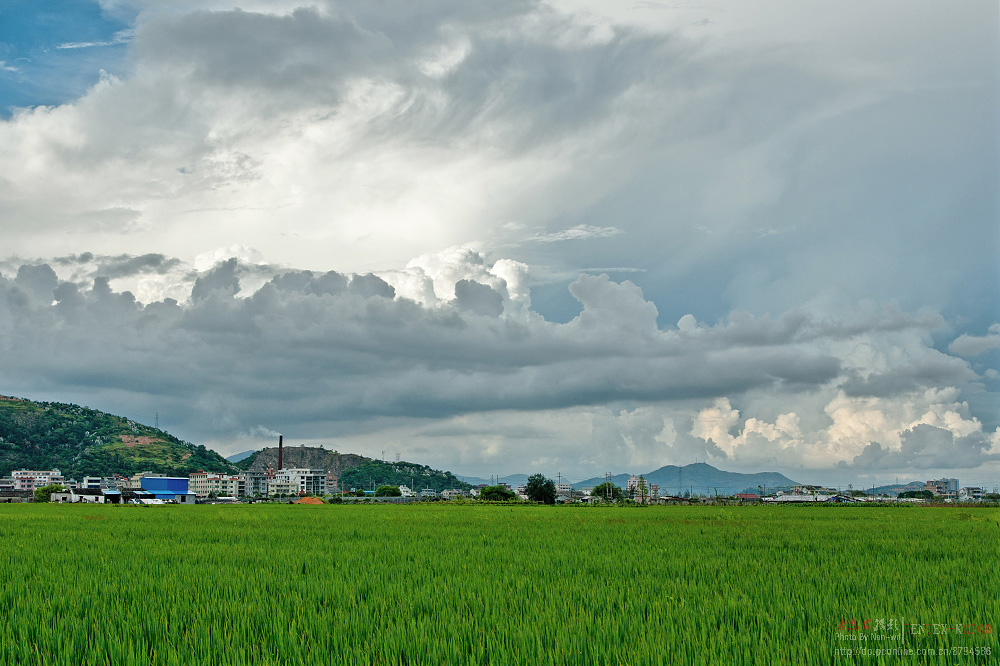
(52, 51)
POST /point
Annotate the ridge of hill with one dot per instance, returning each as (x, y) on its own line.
(353, 470)
(697, 478)
(80, 441)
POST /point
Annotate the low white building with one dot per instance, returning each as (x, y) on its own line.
(452, 494)
(970, 494)
(77, 495)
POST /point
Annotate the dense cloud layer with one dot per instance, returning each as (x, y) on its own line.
(242, 229)
(335, 357)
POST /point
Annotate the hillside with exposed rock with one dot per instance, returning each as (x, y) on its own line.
(355, 471)
(302, 456)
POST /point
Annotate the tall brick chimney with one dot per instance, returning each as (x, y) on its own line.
(280, 451)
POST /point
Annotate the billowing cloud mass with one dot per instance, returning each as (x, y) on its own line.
(341, 359)
(509, 236)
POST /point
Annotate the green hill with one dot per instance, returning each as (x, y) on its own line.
(374, 473)
(81, 441)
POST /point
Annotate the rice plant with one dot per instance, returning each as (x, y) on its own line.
(439, 584)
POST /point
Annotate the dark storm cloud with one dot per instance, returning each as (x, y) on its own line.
(939, 370)
(745, 329)
(928, 447)
(126, 265)
(87, 265)
(83, 258)
(348, 350)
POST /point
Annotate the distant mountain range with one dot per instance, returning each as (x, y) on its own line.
(700, 479)
(512, 480)
(697, 478)
(236, 457)
(896, 488)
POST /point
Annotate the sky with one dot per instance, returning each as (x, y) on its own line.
(514, 237)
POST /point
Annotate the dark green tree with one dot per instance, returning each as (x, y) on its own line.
(607, 491)
(388, 491)
(496, 493)
(642, 490)
(44, 494)
(541, 489)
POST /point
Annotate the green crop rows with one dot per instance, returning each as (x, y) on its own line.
(439, 584)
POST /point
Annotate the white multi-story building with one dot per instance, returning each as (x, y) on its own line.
(90, 483)
(301, 481)
(564, 488)
(452, 494)
(30, 479)
(257, 484)
(203, 484)
(405, 491)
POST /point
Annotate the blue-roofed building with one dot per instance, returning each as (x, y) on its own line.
(167, 488)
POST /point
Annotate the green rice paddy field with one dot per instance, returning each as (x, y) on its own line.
(440, 584)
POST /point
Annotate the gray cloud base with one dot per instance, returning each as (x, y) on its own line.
(324, 354)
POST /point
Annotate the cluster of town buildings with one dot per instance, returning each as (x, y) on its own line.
(291, 482)
(268, 483)
(946, 490)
